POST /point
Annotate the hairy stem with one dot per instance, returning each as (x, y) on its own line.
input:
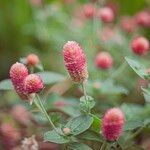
(40, 105)
(103, 146)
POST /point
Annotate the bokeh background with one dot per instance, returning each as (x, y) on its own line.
(43, 26)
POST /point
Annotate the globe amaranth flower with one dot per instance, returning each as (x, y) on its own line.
(33, 84)
(18, 72)
(112, 124)
(140, 45)
(104, 60)
(32, 60)
(75, 61)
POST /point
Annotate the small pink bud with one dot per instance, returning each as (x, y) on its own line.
(106, 14)
(112, 124)
(67, 131)
(128, 24)
(143, 19)
(104, 60)
(75, 61)
(18, 72)
(89, 10)
(32, 60)
(140, 45)
(33, 83)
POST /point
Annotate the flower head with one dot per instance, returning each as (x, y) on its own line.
(104, 60)
(33, 84)
(75, 61)
(18, 73)
(112, 124)
(140, 45)
(32, 60)
(106, 14)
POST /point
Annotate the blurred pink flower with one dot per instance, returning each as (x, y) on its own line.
(103, 60)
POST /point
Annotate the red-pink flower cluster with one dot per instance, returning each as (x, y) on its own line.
(75, 61)
(112, 124)
(24, 83)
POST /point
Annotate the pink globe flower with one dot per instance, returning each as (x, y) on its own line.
(32, 60)
(140, 45)
(106, 14)
(33, 84)
(112, 124)
(128, 24)
(18, 73)
(104, 60)
(89, 10)
(8, 131)
(20, 114)
(143, 19)
(75, 61)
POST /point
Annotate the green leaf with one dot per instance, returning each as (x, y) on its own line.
(91, 136)
(137, 67)
(146, 93)
(80, 124)
(51, 77)
(53, 136)
(6, 85)
(113, 89)
(133, 124)
(79, 146)
(86, 104)
(96, 125)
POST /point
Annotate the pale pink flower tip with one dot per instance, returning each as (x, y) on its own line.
(104, 60)
(75, 61)
(112, 124)
(140, 45)
(33, 84)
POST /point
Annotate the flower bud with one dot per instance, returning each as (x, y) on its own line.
(106, 14)
(112, 124)
(140, 45)
(128, 24)
(75, 61)
(32, 60)
(33, 84)
(89, 10)
(104, 60)
(18, 72)
(143, 19)
(67, 131)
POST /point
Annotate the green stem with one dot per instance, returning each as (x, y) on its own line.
(40, 105)
(103, 146)
(84, 91)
